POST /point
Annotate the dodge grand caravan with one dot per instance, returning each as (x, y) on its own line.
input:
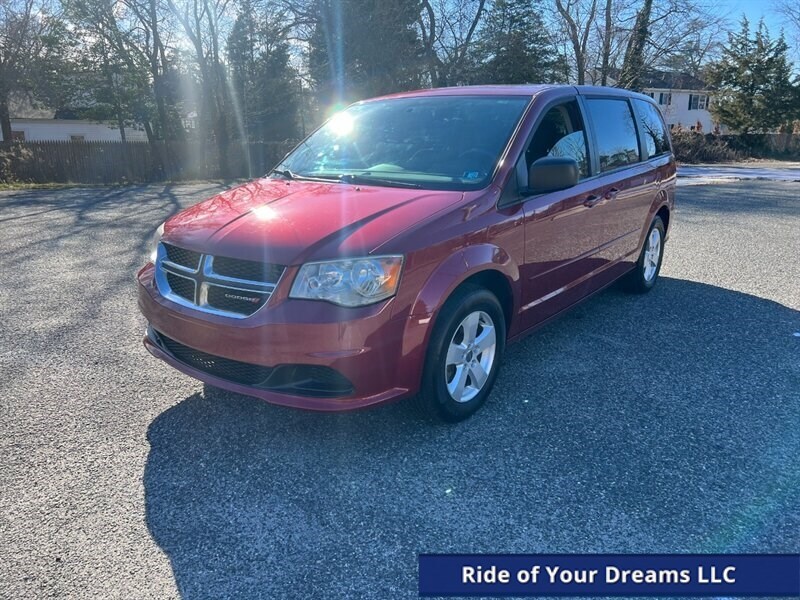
(400, 247)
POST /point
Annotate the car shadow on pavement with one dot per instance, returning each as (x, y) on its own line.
(658, 423)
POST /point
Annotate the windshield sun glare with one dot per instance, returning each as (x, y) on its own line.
(440, 142)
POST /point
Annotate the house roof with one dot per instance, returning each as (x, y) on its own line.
(64, 121)
(110, 124)
(672, 81)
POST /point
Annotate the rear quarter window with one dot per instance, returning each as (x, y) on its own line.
(615, 131)
(655, 133)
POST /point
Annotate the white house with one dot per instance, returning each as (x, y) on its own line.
(684, 100)
(76, 130)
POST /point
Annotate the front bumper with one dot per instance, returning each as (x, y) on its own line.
(381, 355)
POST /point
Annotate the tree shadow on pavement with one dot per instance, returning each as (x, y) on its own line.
(661, 423)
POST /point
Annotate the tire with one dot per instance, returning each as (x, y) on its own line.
(452, 372)
(645, 275)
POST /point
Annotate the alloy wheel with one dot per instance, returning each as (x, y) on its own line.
(652, 254)
(470, 356)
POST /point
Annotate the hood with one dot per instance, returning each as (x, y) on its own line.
(291, 222)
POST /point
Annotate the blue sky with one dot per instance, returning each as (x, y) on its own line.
(754, 10)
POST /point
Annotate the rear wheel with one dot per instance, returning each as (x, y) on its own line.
(644, 276)
(463, 356)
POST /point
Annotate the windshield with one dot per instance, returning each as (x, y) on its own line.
(438, 142)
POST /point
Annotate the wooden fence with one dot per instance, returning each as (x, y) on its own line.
(120, 162)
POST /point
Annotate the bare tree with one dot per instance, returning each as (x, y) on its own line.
(151, 16)
(447, 29)
(608, 40)
(681, 34)
(578, 19)
(132, 34)
(684, 36)
(608, 32)
(633, 65)
(790, 11)
(205, 23)
(31, 36)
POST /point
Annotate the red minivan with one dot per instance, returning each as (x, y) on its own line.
(397, 249)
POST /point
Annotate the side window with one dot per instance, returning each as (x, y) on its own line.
(560, 133)
(655, 135)
(614, 128)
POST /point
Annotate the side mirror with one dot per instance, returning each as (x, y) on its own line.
(552, 173)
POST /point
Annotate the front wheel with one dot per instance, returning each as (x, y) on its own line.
(644, 275)
(463, 356)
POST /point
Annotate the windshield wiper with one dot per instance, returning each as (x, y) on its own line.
(287, 173)
(352, 178)
(364, 179)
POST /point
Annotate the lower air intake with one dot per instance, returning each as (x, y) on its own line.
(315, 381)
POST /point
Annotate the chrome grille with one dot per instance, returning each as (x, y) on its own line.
(238, 289)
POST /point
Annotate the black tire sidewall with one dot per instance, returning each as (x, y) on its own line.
(437, 398)
(641, 281)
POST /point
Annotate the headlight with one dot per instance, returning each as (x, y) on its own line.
(350, 282)
(154, 240)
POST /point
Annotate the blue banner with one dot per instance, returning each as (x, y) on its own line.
(609, 575)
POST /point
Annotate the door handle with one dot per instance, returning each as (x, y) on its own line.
(611, 194)
(592, 200)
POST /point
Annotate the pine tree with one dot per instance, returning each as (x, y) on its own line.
(363, 48)
(755, 90)
(515, 48)
(264, 83)
(633, 64)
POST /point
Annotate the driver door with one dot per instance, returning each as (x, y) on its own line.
(561, 239)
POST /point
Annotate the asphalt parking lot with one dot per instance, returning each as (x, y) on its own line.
(663, 423)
